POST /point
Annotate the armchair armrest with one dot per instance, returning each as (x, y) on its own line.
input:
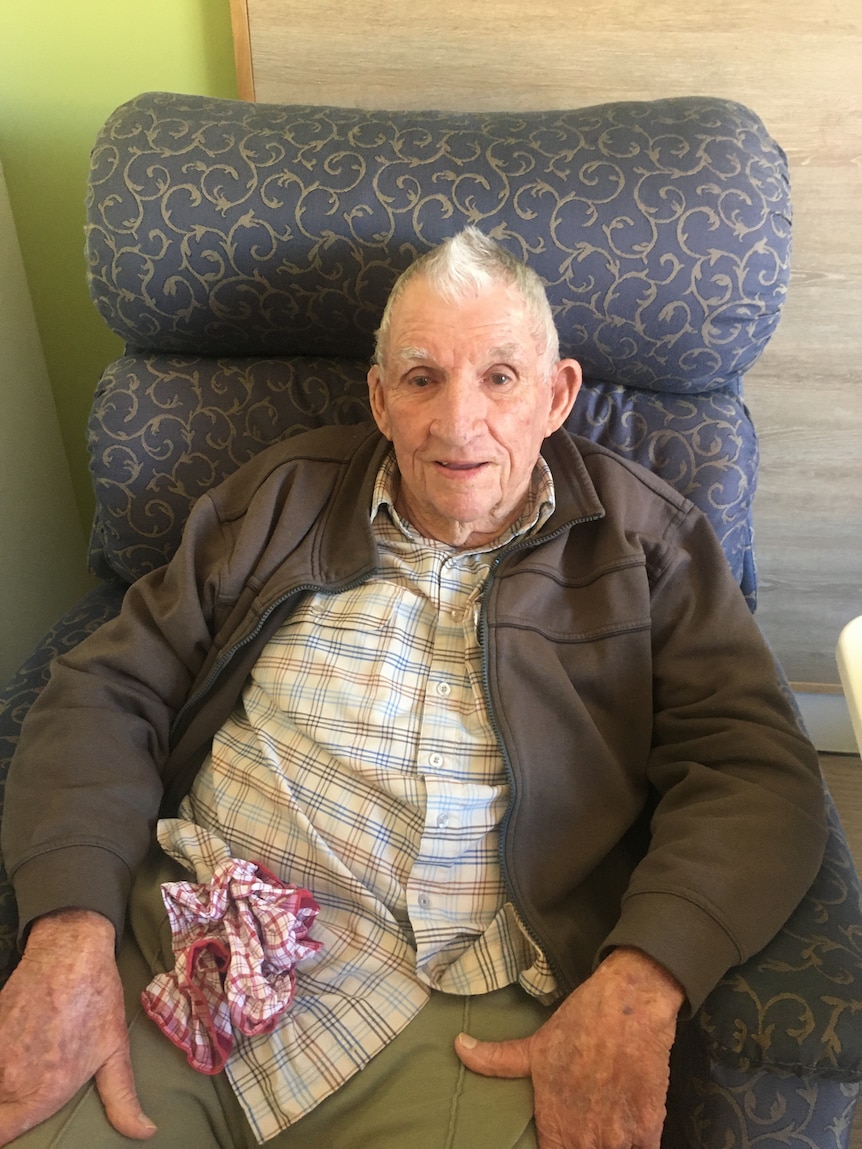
(796, 1006)
(97, 606)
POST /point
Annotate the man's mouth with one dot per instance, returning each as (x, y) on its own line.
(459, 466)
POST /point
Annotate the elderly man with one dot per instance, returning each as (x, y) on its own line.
(490, 695)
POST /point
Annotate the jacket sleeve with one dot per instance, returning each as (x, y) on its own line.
(84, 785)
(739, 828)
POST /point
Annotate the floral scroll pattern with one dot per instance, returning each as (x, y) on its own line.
(164, 429)
(661, 229)
(245, 232)
(761, 1108)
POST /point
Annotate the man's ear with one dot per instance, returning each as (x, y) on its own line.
(377, 396)
(566, 383)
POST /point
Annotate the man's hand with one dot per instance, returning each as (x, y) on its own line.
(62, 1022)
(600, 1064)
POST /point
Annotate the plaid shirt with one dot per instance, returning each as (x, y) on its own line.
(360, 763)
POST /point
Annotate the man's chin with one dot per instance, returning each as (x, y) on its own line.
(464, 523)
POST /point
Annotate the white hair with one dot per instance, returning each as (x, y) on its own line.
(471, 262)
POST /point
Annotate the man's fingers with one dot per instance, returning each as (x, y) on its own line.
(494, 1058)
(116, 1085)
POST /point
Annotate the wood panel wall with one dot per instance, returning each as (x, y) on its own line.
(797, 64)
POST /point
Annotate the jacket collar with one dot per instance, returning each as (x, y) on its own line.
(348, 551)
(577, 498)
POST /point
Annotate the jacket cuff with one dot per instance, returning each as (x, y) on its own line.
(72, 877)
(680, 935)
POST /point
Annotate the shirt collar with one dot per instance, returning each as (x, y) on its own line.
(537, 510)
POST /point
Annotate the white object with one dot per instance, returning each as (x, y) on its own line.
(849, 657)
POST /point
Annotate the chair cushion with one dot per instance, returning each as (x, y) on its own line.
(797, 1005)
(705, 446)
(164, 429)
(661, 229)
(220, 230)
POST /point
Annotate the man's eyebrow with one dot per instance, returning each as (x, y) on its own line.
(511, 353)
(412, 354)
(508, 353)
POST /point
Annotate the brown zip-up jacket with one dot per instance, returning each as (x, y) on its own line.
(662, 795)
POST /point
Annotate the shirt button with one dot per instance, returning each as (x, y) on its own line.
(443, 689)
(436, 760)
(424, 901)
(442, 821)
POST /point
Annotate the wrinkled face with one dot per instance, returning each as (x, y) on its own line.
(466, 403)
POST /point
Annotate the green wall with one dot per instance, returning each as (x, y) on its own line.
(64, 66)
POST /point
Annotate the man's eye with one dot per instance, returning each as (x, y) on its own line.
(500, 378)
(420, 380)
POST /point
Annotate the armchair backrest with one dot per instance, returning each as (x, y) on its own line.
(244, 253)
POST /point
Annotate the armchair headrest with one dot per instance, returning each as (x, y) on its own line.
(662, 229)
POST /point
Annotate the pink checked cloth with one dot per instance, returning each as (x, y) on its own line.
(236, 941)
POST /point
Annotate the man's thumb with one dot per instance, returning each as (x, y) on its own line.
(116, 1085)
(494, 1058)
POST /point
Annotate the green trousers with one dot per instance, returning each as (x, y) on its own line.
(413, 1095)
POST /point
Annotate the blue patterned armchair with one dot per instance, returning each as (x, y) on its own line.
(244, 253)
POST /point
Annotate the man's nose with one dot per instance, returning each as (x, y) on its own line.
(458, 409)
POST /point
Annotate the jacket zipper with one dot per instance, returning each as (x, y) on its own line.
(529, 929)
